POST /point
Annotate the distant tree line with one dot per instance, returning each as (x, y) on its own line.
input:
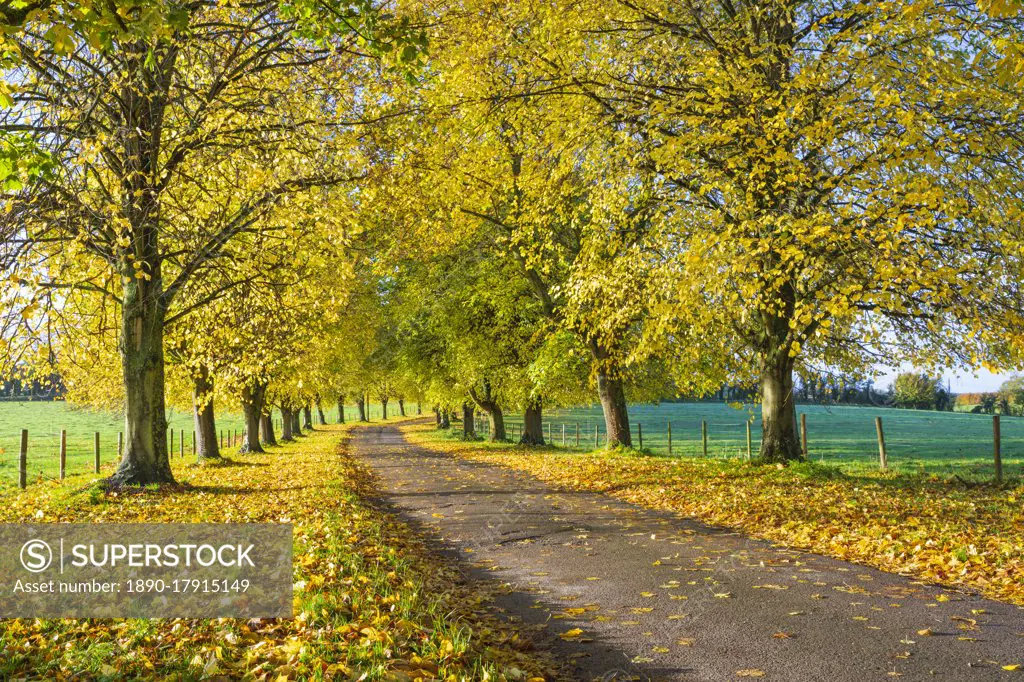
(1009, 399)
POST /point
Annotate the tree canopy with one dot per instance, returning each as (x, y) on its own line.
(503, 207)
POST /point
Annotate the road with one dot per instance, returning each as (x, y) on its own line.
(620, 592)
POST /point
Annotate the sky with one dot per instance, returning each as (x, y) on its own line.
(960, 381)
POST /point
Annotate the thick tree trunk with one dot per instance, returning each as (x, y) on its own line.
(616, 414)
(203, 415)
(496, 421)
(401, 407)
(287, 422)
(307, 417)
(252, 408)
(141, 344)
(361, 404)
(779, 440)
(533, 423)
(320, 413)
(613, 398)
(446, 422)
(341, 409)
(383, 408)
(490, 407)
(297, 422)
(267, 429)
(437, 417)
(468, 421)
(137, 143)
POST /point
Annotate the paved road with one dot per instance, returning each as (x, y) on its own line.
(660, 597)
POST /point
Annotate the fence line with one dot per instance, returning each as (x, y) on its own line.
(707, 441)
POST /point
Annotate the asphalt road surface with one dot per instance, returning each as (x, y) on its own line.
(619, 592)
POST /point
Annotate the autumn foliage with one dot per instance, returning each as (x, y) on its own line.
(369, 598)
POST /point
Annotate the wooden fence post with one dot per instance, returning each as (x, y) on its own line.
(749, 448)
(23, 461)
(171, 451)
(563, 434)
(704, 435)
(996, 438)
(577, 435)
(597, 438)
(63, 453)
(669, 438)
(883, 459)
(803, 433)
(96, 452)
(640, 434)
(181, 442)
(194, 443)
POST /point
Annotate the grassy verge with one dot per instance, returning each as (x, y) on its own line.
(371, 602)
(947, 532)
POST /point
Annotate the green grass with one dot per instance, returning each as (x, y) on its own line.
(44, 421)
(917, 441)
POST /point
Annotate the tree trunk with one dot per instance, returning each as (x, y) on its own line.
(286, 425)
(383, 408)
(490, 407)
(533, 424)
(446, 422)
(361, 404)
(496, 420)
(616, 414)
(320, 413)
(141, 345)
(468, 421)
(341, 409)
(401, 407)
(307, 417)
(779, 440)
(297, 422)
(202, 411)
(267, 429)
(419, 408)
(437, 417)
(137, 142)
(252, 408)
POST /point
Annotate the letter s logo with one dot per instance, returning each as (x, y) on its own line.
(36, 556)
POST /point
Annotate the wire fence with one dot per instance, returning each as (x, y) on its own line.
(49, 424)
(911, 441)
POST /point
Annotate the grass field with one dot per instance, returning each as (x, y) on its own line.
(916, 440)
(44, 421)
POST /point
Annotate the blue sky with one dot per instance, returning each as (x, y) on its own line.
(961, 381)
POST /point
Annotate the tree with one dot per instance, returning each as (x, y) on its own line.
(916, 390)
(136, 127)
(1012, 394)
(833, 181)
(517, 178)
